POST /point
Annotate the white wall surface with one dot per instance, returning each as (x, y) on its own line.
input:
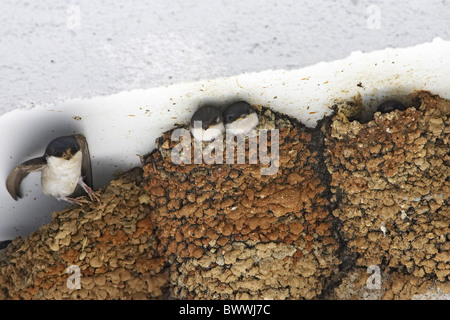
(52, 51)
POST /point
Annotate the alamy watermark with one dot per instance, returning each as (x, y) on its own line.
(374, 281)
(74, 17)
(213, 153)
(74, 281)
(374, 19)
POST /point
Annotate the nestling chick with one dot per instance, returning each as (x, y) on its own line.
(240, 118)
(207, 123)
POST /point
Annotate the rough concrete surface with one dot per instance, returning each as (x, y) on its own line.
(346, 196)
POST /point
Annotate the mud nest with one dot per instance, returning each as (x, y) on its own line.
(346, 196)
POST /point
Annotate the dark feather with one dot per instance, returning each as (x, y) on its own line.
(4, 244)
(86, 167)
(237, 110)
(391, 105)
(208, 115)
(20, 172)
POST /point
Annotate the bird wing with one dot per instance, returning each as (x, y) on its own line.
(20, 172)
(86, 167)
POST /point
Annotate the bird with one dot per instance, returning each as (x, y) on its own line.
(390, 105)
(65, 171)
(207, 123)
(240, 118)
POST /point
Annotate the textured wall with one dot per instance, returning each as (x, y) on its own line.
(53, 51)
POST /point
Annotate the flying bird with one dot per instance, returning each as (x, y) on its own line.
(65, 171)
